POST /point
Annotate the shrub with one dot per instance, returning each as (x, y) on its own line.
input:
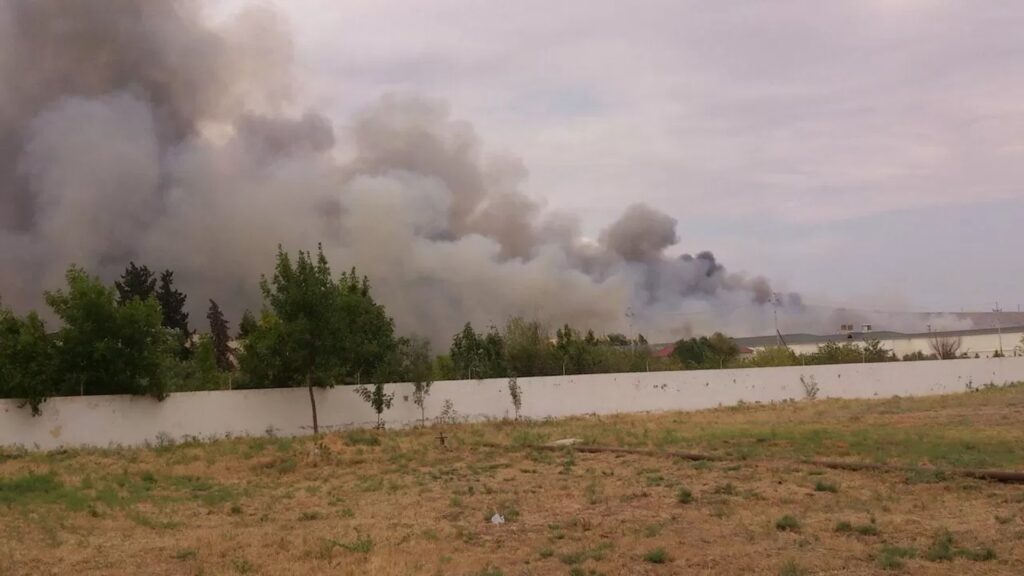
(656, 556)
(684, 496)
(787, 524)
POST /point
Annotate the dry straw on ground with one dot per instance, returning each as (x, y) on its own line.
(395, 503)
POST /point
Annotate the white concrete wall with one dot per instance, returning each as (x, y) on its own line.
(124, 420)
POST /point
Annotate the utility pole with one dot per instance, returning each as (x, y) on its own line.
(775, 315)
(632, 339)
(999, 327)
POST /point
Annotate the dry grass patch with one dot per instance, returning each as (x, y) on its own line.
(396, 503)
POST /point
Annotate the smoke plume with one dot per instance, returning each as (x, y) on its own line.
(136, 129)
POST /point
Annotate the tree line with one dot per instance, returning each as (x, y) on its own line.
(314, 330)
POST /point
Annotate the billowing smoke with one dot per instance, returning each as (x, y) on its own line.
(136, 129)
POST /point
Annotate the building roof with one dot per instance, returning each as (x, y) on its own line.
(762, 341)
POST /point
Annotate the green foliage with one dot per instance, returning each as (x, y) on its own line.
(943, 550)
(247, 325)
(172, 309)
(377, 399)
(516, 393)
(104, 348)
(27, 356)
(787, 524)
(137, 282)
(684, 496)
(822, 486)
(870, 350)
(918, 355)
(845, 527)
(527, 350)
(771, 356)
(791, 568)
(219, 337)
(656, 556)
(892, 557)
(476, 356)
(315, 330)
(716, 351)
(198, 372)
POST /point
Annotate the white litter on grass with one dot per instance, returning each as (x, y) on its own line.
(497, 519)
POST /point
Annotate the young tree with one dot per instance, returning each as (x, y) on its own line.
(420, 372)
(945, 347)
(26, 360)
(411, 361)
(219, 337)
(315, 331)
(136, 282)
(378, 399)
(516, 393)
(104, 348)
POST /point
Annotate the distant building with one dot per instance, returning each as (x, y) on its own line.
(981, 342)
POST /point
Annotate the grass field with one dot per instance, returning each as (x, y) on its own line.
(396, 503)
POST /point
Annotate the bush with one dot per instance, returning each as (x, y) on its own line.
(656, 556)
(787, 524)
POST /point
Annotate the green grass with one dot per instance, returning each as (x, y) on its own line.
(845, 527)
(894, 557)
(943, 550)
(656, 556)
(34, 489)
(684, 495)
(360, 437)
(787, 524)
(867, 430)
(791, 568)
(822, 486)
(596, 553)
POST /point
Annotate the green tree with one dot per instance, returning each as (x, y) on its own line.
(476, 356)
(247, 325)
(411, 361)
(26, 360)
(833, 353)
(702, 353)
(137, 282)
(527, 349)
(198, 372)
(873, 351)
(173, 315)
(220, 338)
(316, 331)
(104, 348)
(772, 356)
(723, 350)
(378, 399)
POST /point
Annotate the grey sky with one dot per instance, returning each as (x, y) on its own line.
(828, 145)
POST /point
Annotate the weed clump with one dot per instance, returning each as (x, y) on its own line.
(787, 524)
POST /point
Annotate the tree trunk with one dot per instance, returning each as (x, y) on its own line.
(312, 403)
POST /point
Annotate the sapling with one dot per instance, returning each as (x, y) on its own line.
(516, 393)
(378, 399)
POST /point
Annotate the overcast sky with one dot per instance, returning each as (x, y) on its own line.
(863, 152)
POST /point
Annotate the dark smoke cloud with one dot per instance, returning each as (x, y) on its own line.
(138, 130)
